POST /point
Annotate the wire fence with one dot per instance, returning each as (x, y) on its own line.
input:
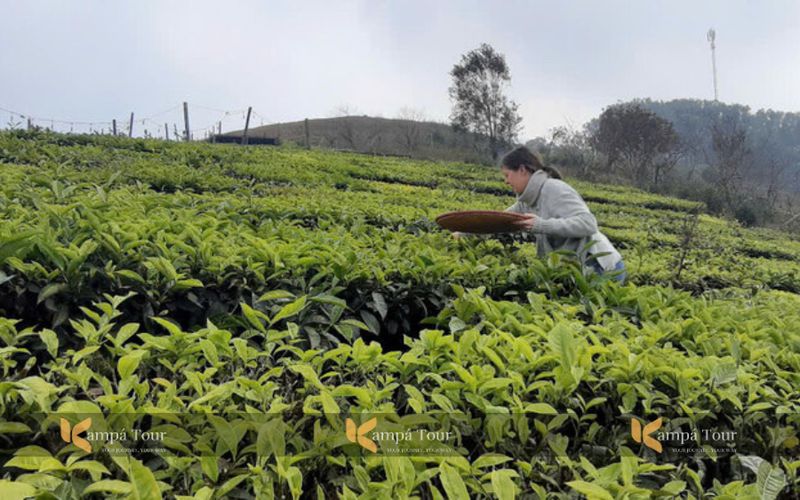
(170, 123)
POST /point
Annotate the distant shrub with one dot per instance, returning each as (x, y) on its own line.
(746, 215)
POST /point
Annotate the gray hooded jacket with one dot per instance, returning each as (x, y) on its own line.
(563, 221)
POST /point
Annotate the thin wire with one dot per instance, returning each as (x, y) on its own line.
(212, 126)
(264, 118)
(125, 124)
(177, 106)
(227, 112)
(52, 120)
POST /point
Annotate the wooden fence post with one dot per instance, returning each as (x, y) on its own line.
(246, 125)
(130, 129)
(308, 142)
(114, 126)
(186, 119)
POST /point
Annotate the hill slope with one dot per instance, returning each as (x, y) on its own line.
(418, 139)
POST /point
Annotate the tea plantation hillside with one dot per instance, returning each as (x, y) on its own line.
(209, 321)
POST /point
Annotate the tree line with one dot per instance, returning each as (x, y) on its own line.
(742, 164)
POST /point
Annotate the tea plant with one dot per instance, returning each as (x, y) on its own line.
(245, 301)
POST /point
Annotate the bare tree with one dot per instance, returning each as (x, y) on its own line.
(665, 163)
(13, 124)
(687, 234)
(571, 147)
(771, 165)
(346, 126)
(775, 174)
(731, 150)
(373, 138)
(411, 127)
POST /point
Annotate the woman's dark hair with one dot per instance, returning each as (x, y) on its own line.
(522, 157)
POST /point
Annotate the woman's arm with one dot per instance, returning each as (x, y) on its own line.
(572, 217)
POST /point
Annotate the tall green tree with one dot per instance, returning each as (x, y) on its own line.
(637, 140)
(480, 104)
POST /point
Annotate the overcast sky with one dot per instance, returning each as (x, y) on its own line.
(93, 60)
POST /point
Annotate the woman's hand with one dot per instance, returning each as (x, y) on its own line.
(527, 223)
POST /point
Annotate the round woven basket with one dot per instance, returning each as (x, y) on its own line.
(480, 221)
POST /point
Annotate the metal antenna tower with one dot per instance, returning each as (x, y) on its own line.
(712, 35)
